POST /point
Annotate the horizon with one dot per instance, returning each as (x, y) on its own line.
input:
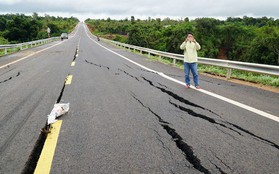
(178, 18)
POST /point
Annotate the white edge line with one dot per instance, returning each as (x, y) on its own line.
(241, 105)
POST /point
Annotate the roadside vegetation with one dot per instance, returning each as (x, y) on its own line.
(18, 28)
(244, 39)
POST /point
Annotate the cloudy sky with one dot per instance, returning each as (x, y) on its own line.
(120, 9)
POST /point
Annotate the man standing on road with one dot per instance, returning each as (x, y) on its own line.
(190, 47)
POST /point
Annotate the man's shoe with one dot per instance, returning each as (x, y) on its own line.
(198, 87)
(187, 86)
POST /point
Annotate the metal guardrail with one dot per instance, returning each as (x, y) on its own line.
(26, 45)
(229, 65)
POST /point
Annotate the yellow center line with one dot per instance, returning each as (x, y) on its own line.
(69, 80)
(46, 157)
(73, 63)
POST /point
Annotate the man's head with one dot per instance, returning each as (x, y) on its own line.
(190, 37)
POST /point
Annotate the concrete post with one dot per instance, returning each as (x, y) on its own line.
(229, 73)
(174, 61)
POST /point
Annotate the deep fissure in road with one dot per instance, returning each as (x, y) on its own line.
(183, 146)
(177, 97)
(35, 155)
(61, 92)
(31, 163)
(211, 120)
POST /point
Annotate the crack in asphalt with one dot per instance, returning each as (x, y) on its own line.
(75, 56)
(255, 136)
(197, 115)
(128, 66)
(218, 168)
(62, 91)
(163, 85)
(180, 143)
(159, 118)
(9, 70)
(211, 120)
(159, 138)
(215, 155)
(97, 64)
(177, 97)
(233, 137)
(125, 72)
(10, 78)
(128, 74)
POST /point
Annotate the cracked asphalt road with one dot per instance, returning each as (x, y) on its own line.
(124, 119)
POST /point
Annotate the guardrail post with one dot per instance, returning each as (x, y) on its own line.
(160, 57)
(174, 61)
(20, 47)
(229, 73)
(140, 51)
(148, 54)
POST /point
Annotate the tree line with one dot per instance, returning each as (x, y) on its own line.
(16, 28)
(245, 39)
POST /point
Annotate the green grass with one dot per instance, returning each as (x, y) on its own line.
(9, 51)
(242, 75)
(215, 70)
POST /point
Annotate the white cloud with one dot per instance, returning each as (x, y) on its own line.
(9, 2)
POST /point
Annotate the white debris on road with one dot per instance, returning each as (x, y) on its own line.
(58, 110)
